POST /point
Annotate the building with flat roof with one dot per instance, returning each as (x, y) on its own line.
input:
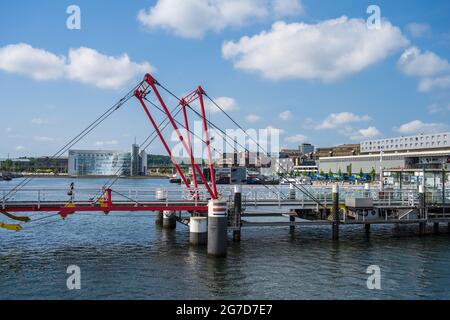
(420, 142)
(401, 160)
(107, 162)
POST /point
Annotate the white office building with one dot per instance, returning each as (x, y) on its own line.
(419, 142)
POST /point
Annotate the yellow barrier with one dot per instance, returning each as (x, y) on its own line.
(11, 216)
(13, 227)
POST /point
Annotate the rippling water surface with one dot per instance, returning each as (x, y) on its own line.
(124, 256)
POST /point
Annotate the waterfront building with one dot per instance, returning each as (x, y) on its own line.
(338, 151)
(401, 160)
(421, 142)
(306, 148)
(107, 162)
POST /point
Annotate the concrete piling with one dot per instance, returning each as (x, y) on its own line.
(160, 194)
(436, 227)
(169, 220)
(237, 212)
(217, 228)
(292, 221)
(422, 215)
(198, 231)
(335, 212)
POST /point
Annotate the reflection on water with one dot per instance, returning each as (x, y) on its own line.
(127, 257)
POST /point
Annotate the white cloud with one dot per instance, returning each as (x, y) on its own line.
(226, 103)
(18, 148)
(339, 120)
(283, 8)
(415, 63)
(36, 63)
(38, 121)
(44, 139)
(298, 138)
(194, 18)
(286, 115)
(83, 64)
(430, 84)
(252, 118)
(327, 51)
(418, 30)
(8, 130)
(368, 133)
(89, 66)
(107, 143)
(418, 126)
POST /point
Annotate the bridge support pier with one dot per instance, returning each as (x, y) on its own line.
(422, 215)
(198, 231)
(422, 228)
(217, 228)
(159, 218)
(169, 220)
(237, 213)
(336, 218)
(292, 221)
(160, 194)
(367, 227)
(436, 227)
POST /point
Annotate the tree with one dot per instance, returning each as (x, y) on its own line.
(339, 172)
(361, 173)
(321, 172)
(372, 174)
(330, 173)
(349, 171)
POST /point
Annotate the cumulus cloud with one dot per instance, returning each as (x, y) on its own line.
(418, 126)
(298, 138)
(432, 70)
(89, 66)
(368, 133)
(194, 18)
(339, 120)
(413, 62)
(327, 51)
(418, 30)
(19, 148)
(286, 115)
(83, 64)
(252, 118)
(226, 103)
(430, 84)
(36, 63)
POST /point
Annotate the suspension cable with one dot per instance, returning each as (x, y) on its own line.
(76, 139)
(222, 131)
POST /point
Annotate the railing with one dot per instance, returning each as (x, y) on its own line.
(252, 195)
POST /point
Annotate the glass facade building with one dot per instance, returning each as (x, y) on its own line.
(99, 163)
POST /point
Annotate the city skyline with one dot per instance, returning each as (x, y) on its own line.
(391, 82)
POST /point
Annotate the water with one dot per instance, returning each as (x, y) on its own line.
(124, 256)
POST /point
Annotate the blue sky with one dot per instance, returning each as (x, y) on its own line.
(321, 78)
